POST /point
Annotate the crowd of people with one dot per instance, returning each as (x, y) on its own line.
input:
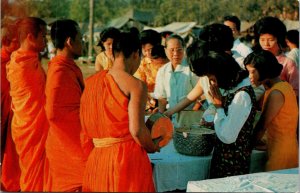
(63, 133)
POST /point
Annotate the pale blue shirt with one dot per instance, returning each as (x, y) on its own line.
(174, 85)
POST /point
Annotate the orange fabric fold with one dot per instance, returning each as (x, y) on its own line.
(63, 92)
(121, 167)
(10, 169)
(29, 123)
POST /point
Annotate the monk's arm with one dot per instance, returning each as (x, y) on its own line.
(136, 110)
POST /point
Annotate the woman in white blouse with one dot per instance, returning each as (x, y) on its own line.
(235, 111)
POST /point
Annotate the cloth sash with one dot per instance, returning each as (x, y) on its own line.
(110, 141)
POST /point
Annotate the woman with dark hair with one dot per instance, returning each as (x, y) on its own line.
(270, 35)
(234, 117)
(104, 60)
(115, 136)
(279, 113)
(147, 70)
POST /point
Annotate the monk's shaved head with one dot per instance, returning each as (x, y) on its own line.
(30, 25)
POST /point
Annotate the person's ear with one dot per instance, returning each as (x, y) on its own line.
(136, 54)
(69, 42)
(30, 37)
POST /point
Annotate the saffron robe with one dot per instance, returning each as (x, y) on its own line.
(123, 166)
(10, 169)
(63, 91)
(29, 123)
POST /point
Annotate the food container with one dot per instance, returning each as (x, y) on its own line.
(160, 126)
(194, 140)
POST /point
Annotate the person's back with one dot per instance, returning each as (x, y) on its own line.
(27, 89)
(10, 178)
(115, 137)
(63, 92)
(292, 41)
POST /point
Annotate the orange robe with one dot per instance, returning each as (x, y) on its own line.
(29, 123)
(282, 143)
(10, 169)
(63, 91)
(121, 164)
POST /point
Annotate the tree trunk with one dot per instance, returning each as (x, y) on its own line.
(91, 31)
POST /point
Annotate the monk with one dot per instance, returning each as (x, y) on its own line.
(112, 115)
(63, 91)
(10, 169)
(27, 88)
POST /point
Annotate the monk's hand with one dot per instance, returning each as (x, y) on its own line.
(215, 95)
(156, 143)
(167, 113)
(155, 110)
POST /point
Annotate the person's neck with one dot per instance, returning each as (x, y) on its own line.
(109, 55)
(292, 46)
(174, 66)
(277, 52)
(65, 53)
(271, 82)
(26, 48)
(120, 64)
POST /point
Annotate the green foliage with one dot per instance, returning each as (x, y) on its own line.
(166, 11)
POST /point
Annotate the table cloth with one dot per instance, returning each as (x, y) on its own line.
(276, 181)
(172, 170)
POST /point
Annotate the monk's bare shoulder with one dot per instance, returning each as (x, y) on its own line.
(128, 83)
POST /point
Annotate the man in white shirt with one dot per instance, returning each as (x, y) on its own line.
(174, 80)
(239, 49)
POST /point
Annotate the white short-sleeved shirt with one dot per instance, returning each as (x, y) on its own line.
(294, 55)
(241, 48)
(174, 85)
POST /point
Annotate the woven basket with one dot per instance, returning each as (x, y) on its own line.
(194, 141)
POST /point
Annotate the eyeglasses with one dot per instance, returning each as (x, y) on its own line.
(172, 50)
